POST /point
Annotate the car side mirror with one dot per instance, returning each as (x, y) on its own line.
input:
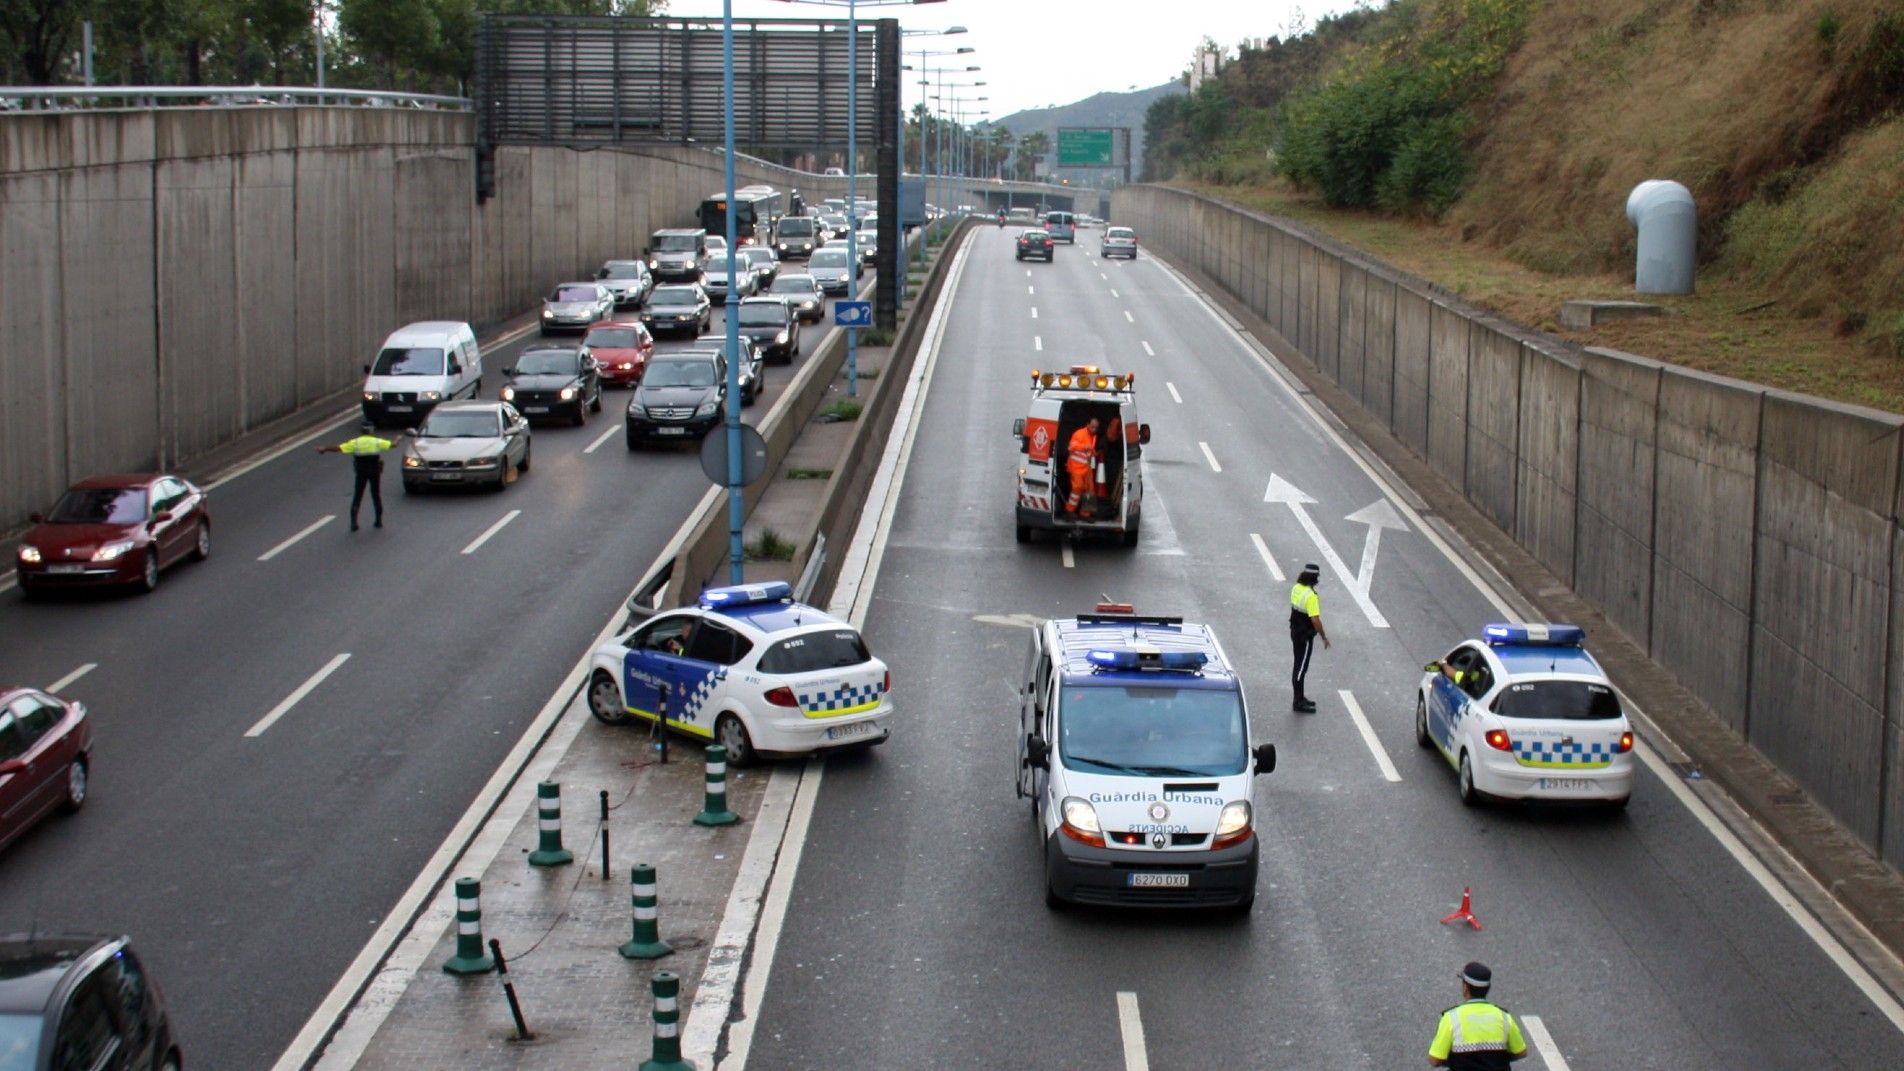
(456, 369)
(1433, 667)
(1143, 434)
(36, 518)
(644, 250)
(509, 371)
(366, 370)
(1018, 428)
(1038, 752)
(1265, 756)
(161, 516)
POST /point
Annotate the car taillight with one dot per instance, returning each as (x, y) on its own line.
(1497, 739)
(782, 697)
(887, 686)
(1626, 742)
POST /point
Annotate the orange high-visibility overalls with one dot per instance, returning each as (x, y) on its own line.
(1079, 465)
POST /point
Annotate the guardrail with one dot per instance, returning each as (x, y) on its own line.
(70, 98)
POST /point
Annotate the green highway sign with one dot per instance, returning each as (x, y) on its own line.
(1085, 147)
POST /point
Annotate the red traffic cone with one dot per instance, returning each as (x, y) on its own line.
(1466, 914)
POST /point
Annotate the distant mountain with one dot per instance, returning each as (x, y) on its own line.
(1099, 110)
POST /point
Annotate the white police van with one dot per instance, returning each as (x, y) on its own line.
(748, 668)
(1524, 712)
(1134, 749)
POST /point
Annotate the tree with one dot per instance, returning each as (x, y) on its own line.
(1032, 149)
(387, 33)
(1002, 144)
(40, 33)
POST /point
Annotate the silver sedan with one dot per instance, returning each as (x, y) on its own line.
(464, 443)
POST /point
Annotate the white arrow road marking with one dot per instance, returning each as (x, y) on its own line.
(306, 530)
(296, 697)
(67, 681)
(1549, 1052)
(1377, 515)
(477, 543)
(1210, 457)
(1368, 735)
(1269, 559)
(602, 438)
(1131, 1026)
(1281, 490)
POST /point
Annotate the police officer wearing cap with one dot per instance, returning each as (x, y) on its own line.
(1476, 1035)
(1305, 624)
(366, 454)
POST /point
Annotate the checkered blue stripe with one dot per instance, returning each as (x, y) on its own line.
(1555, 753)
(690, 699)
(844, 699)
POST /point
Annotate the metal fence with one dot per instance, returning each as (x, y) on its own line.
(66, 98)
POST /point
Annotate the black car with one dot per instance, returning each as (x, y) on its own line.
(1036, 243)
(770, 322)
(551, 380)
(81, 1002)
(682, 310)
(681, 396)
(803, 293)
(765, 264)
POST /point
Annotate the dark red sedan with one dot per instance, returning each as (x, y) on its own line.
(621, 350)
(115, 530)
(46, 747)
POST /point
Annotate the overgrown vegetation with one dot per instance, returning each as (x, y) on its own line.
(809, 474)
(841, 410)
(769, 547)
(875, 336)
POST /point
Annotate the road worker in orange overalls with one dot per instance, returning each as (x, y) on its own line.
(1080, 464)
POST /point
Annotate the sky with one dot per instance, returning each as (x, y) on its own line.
(1036, 53)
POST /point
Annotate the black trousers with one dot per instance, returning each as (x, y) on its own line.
(371, 477)
(1304, 643)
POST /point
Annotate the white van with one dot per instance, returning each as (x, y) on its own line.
(419, 366)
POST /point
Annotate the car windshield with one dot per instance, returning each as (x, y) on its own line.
(674, 243)
(573, 293)
(801, 285)
(1120, 232)
(1037, 236)
(717, 266)
(1150, 730)
(1565, 700)
(20, 1042)
(621, 271)
(679, 374)
(796, 228)
(107, 505)
(829, 258)
(815, 652)
(546, 363)
(614, 338)
(672, 295)
(409, 361)
(752, 255)
(763, 314)
(461, 425)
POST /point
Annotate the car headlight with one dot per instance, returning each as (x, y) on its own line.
(782, 247)
(509, 394)
(1235, 818)
(370, 396)
(482, 462)
(568, 394)
(1080, 821)
(411, 461)
(780, 339)
(548, 314)
(113, 551)
(431, 395)
(708, 408)
(29, 554)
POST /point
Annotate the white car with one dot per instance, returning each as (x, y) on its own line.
(750, 669)
(1524, 712)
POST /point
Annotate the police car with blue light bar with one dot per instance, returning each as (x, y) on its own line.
(750, 669)
(1134, 749)
(1524, 712)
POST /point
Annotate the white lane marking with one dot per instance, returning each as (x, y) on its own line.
(477, 543)
(1210, 457)
(306, 530)
(1544, 1042)
(1070, 560)
(597, 444)
(1034, 312)
(1104, 277)
(1031, 289)
(1280, 490)
(1113, 291)
(1129, 317)
(1262, 548)
(1148, 350)
(1130, 1025)
(67, 681)
(1037, 342)
(1027, 273)
(296, 697)
(1174, 396)
(1777, 890)
(1368, 735)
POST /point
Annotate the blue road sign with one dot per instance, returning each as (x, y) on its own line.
(852, 314)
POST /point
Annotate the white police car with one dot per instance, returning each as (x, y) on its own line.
(748, 668)
(1524, 712)
(1134, 748)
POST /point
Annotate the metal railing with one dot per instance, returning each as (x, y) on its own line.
(69, 98)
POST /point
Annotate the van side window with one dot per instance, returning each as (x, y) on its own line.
(86, 1037)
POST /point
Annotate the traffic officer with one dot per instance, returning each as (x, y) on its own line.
(366, 454)
(1305, 624)
(1476, 1035)
(1080, 464)
(796, 206)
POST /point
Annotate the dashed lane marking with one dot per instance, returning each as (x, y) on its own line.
(1070, 560)
(67, 681)
(306, 530)
(1148, 350)
(1130, 1026)
(1174, 396)
(1037, 342)
(1549, 1052)
(1210, 457)
(309, 686)
(478, 542)
(1368, 736)
(1269, 560)
(1129, 317)
(602, 438)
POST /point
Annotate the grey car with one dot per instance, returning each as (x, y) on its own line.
(1118, 242)
(629, 280)
(802, 292)
(467, 443)
(829, 268)
(574, 306)
(682, 309)
(765, 264)
(714, 277)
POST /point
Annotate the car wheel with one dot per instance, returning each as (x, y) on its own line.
(1421, 724)
(75, 786)
(171, 1063)
(732, 735)
(604, 700)
(1470, 796)
(1024, 533)
(409, 488)
(1130, 536)
(524, 467)
(202, 545)
(149, 577)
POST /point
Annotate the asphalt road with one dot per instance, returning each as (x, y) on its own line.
(916, 935)
(250, 870)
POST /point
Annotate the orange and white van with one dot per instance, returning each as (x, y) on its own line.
(1111, 502)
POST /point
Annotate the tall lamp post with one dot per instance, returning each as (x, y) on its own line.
(944, 98)
(925, 124)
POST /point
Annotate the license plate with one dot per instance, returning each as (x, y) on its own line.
(1158, 881)
(1566, 784)
(398, 408)
(535, 408)
(671, 431)
(842, 732)
(446, 476)
(65, 570)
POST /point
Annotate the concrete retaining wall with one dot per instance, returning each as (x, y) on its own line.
(1747, 539)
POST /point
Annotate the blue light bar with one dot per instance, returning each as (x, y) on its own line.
(1112, 659)
(1146, 659)
(745, 595)
(1535, 635)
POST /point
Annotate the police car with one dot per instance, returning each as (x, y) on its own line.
(1524, 712)
(748, 668)
(1134, 749)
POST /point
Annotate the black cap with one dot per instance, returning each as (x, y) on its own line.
(1477, 975)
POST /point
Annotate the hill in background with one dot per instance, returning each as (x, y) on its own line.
(1098, 110)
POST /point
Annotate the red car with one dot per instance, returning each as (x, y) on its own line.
(46, 747)
(1036, 243)
(621, 350)
(115, 530)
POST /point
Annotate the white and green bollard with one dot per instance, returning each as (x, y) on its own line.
(667, 1026)
(549, 850)
(714, 811)
(647, 942)
(470, 957)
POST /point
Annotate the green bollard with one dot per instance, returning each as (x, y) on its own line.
(647, 942)
(714, 811)
(667, 1026)
(470, 957)
(549, 851)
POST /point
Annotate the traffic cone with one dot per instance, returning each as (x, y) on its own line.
(1466, 913)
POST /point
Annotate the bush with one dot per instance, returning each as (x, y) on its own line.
(875, 336)
(841, 410)
(1429, 168)
(769, 547)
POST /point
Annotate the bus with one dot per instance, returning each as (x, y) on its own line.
(756, 207)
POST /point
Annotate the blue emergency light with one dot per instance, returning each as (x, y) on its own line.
(1499, 635)
(745, 595)
(1145, 659)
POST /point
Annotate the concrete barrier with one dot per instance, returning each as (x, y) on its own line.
(1352, 316)
(1448, 392)
(1493, 421)
(1547, 456)
(1613, 566)
(1378, 349)
(1414, 328)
